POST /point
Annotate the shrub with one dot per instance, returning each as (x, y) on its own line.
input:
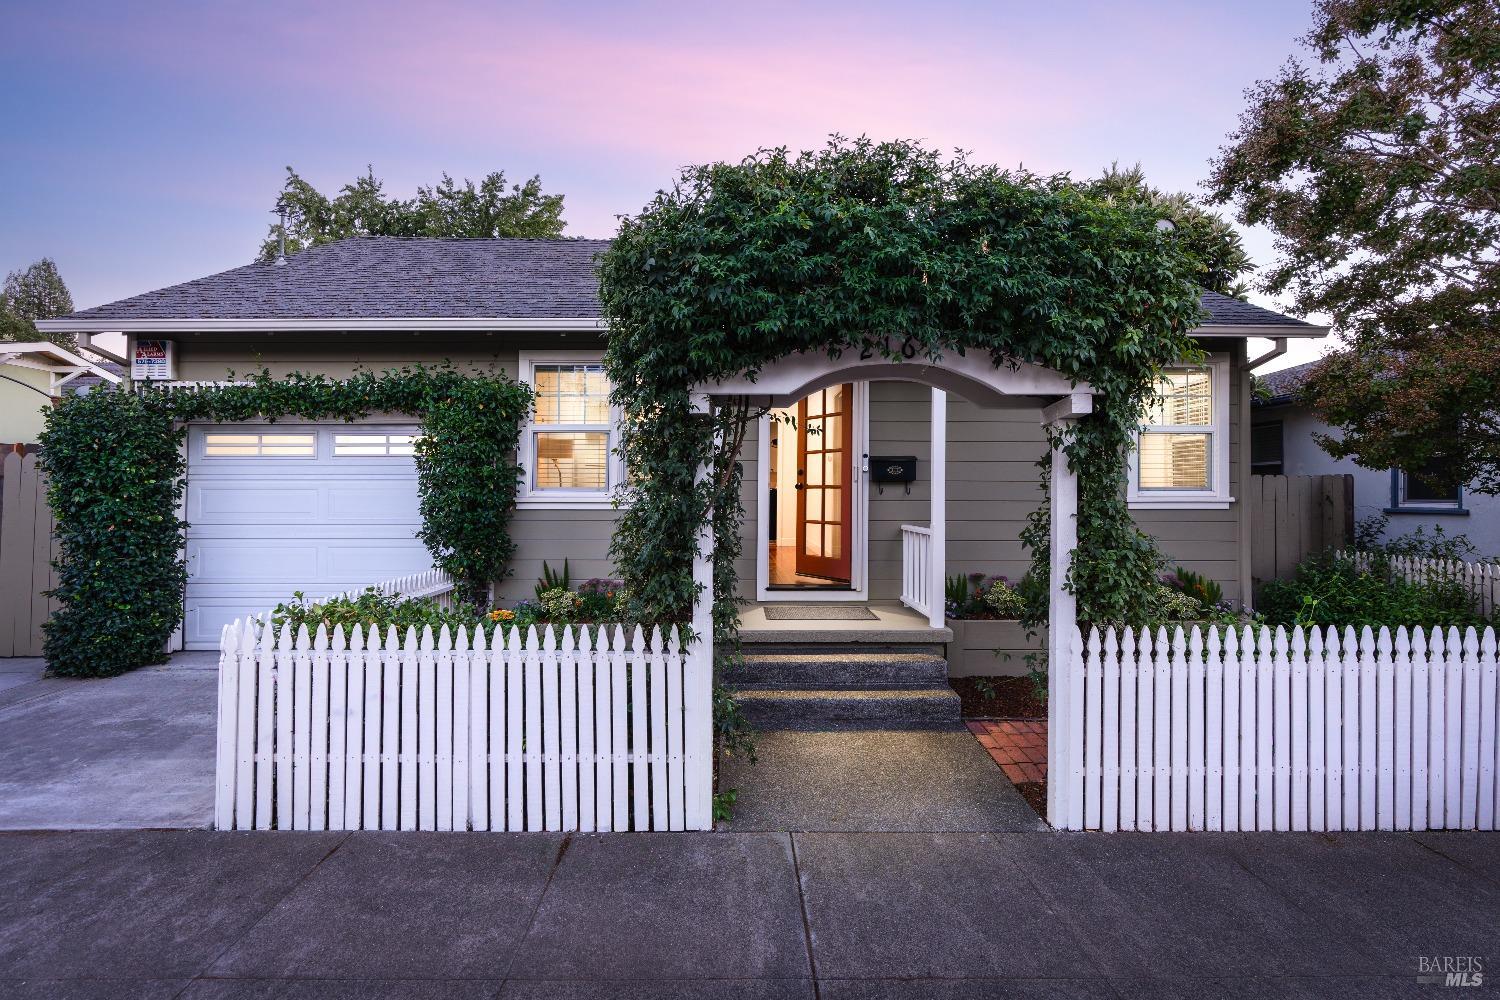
(1369, 537)
(114, 480)
(373, 608)
(1206, 591)
(980, 596)
(1327, 590)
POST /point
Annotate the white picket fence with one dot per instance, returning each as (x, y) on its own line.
(581, 730)
(1277, 730)
(1481, 579)
(434, 584)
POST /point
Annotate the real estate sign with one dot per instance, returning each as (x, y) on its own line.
(152, 360)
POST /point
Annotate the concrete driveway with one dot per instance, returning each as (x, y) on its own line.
(135, 751)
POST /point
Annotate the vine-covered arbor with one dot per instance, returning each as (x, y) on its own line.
(749, 285)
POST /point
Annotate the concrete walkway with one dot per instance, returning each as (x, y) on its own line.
(761, 915)
(874, 780)
(134, 751)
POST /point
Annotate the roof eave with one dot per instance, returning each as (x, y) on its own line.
(494, 323)
(477, 323)
(1269, 330)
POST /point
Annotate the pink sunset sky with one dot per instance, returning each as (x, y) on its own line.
(145, 143)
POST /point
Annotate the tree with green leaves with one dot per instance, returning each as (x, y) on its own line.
(361, 208)
(1376, 161)
(36, 293)
(1217, 245)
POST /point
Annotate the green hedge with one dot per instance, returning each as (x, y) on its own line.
(115, 466)
(114, 471)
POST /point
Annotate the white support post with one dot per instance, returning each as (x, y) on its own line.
(698, 682)
(937, 604)
(1064, 689)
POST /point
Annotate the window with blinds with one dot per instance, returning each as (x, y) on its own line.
(1182, 456)
(572, 428)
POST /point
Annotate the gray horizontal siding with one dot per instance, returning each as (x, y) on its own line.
(993, 478)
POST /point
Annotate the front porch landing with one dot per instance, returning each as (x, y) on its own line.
(894, 624)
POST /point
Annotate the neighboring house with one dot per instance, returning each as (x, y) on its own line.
(33, 376)
(321, 507)
(1282, 444)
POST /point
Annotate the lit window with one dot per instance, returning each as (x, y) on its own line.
(1182, 458)
(375, 445)
(269, 445)
(569, 442)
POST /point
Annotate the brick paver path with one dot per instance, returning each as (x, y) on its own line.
(1019, 746)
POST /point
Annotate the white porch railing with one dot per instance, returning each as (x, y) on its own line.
(1480, 579)
(917, 576)
(1283, 730)
(578, 731)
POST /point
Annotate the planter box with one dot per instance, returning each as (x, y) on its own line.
(983, 648)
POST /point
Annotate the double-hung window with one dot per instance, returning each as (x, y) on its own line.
(1183, 455)
(568, 446)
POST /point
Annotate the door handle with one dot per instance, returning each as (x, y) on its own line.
(797, 487)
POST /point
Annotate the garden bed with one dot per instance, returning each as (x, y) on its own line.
(998, 698)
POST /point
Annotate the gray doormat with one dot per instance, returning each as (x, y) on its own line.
(824, 613)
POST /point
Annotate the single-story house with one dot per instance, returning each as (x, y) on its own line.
(834, 507)
(1282, 444)
(33, 376)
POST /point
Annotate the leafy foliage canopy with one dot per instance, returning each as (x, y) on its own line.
(891, 248)
(38, 292)
(361, 208)
(1378, 167)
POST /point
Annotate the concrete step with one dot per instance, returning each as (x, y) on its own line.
(839, 669)
(793, 708)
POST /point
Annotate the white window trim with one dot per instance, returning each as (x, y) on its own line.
(527, 497)
(1215, 498)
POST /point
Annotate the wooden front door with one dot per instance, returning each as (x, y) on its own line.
(825, 470)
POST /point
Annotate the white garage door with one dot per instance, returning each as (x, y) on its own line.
(277, 508)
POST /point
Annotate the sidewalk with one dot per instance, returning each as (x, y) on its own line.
(763, 915)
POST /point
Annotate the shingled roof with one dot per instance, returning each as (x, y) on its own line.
(389, 278)
(1285, 386)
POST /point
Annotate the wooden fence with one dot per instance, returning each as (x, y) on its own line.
(1275, 731)
(26, 552)
(1480, 579)
(1293, 517)
(582, 731)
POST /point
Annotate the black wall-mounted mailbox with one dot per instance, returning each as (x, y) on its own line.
(893, 469)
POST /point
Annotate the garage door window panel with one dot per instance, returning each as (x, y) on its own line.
(268, 445)
(374, 445)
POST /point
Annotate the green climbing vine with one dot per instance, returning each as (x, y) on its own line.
(891, 249)
(115, 468)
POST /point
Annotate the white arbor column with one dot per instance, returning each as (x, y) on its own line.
(698, 709)
(1064, 676)
(937, 604)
